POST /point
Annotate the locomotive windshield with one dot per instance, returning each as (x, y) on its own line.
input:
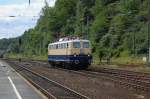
(86, 45)
(76, 44)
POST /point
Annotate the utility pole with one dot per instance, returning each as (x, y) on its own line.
(87, 27)
(29, 2)
(19, 49)
(148, 59)
(82, 28)
(134, 47)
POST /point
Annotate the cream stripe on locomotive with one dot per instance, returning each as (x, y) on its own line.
(70, 48)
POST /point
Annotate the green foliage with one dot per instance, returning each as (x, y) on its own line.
(99, 27)
(116, 28)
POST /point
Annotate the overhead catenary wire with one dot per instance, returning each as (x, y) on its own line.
(14, 16)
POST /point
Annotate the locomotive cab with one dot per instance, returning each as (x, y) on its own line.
(81, 53)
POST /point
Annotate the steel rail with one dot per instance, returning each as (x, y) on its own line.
(122, 80)
(124, 77)
(73, 92)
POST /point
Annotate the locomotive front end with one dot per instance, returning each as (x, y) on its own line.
(81, 53)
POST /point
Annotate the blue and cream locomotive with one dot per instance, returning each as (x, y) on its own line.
(70, 53)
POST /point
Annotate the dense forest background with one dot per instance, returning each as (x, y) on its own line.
(116, 28)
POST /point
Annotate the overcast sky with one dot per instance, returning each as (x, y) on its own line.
(26, 16)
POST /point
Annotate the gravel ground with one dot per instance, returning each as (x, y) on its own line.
(95, 88)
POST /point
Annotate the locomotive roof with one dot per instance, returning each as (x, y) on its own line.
(59, 42)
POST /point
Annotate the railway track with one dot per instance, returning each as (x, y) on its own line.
(128, 79)
(135, 80)
(142, 79)
(130, 82)
(50, 88)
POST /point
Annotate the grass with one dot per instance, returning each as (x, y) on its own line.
(142, 68)
(40, 58)
(32, 57)
(120, 60)
(126, 63)
(128, 60)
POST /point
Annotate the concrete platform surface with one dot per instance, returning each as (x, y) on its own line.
(13, 86)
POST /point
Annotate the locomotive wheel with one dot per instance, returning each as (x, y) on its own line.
(85, 66)
(50, 64)
(67, 66)
(63, 65)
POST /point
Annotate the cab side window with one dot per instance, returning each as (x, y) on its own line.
(86, 45)
(49, 47)
(62, 46)
(76, 44)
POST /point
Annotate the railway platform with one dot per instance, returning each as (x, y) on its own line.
(14, 86)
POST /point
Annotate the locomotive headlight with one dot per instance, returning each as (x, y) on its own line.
(75, 55)
(89, 54)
